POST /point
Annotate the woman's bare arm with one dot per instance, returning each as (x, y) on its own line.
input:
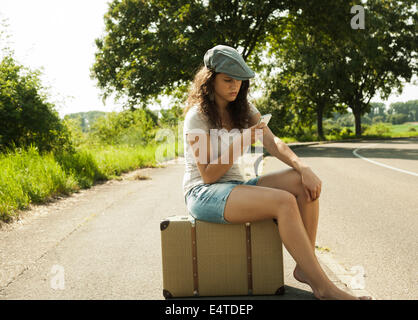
(213, 171)
(278, 148)
(217, 168)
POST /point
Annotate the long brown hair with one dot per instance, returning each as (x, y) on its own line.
(201, 93)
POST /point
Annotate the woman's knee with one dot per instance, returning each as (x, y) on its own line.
(287, 204)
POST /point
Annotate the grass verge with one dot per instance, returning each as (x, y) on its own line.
(26, 176)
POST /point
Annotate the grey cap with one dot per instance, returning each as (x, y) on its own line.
(227, 60)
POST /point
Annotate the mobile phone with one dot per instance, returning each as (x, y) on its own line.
(265, 118)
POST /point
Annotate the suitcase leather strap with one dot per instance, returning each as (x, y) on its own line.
(249, 258)
(194, 257)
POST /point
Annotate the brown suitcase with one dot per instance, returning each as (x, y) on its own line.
(209, 259)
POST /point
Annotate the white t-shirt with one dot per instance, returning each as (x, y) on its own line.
(195, 120)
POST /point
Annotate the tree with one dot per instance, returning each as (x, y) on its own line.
(5, 49)
(377, 59)
(325, 57)
(85, 119)
(26, 117)
(170, 117)
(301, 53)
(155, 47)
(409, 109)
(126, 127)
(377, 109)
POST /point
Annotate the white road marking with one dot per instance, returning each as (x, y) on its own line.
(381, 164)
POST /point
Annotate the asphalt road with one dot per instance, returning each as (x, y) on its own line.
(369, 212)
(104, 243)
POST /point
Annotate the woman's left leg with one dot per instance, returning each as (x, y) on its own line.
(291, 181)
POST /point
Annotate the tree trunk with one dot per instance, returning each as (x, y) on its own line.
(319, 124)
(357, 120)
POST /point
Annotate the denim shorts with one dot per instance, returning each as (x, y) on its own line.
(207, 201)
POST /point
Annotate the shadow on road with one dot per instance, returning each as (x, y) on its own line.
(291, 293)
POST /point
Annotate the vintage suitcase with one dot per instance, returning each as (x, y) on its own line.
(208, 259)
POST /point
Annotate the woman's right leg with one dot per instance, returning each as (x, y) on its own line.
(253, 203)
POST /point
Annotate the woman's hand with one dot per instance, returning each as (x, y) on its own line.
(311, 183)
(259, 126)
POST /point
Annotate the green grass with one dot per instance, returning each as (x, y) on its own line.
(288, 139)
(388, 130)
(26, 176)
(112, 161)
(405, 129)
(377, 130)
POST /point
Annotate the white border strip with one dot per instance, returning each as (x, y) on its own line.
(381, 164)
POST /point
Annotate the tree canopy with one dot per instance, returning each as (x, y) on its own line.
(325, 63)
(155, 47)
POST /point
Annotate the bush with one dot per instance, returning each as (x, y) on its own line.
(346, 120)
(73, 126)
(378, 119)
(366, 119)
(305, 134)
(346, 132)
(126, 127)
(170, 117)
(25, 115)
(397, 118)
(377, 129)
(282, 120)
(328, 123)
(364, 127)
(332, 130)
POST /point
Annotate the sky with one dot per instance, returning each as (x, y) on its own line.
(57, 36)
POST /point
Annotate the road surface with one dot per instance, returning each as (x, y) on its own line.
(104, 243)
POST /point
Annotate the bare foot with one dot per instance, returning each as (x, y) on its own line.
(333, 293)
(299, 276)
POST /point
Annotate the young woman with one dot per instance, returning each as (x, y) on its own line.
(214, 188)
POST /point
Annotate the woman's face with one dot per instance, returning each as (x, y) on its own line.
(226, 88)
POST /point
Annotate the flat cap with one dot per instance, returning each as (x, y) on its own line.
(225, 59)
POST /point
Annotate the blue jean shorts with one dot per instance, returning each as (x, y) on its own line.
(207, 201)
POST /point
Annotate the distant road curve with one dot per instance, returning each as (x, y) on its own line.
(381, 164)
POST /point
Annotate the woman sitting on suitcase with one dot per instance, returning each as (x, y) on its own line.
(214, 188)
